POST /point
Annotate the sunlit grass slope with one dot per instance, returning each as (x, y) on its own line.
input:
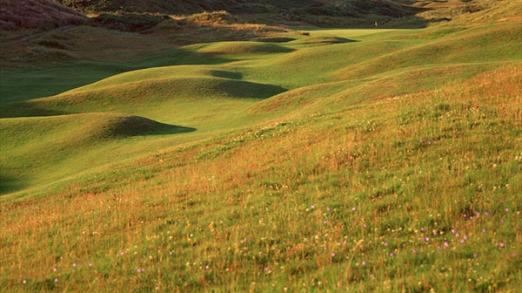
(347, 160)
(417, 192)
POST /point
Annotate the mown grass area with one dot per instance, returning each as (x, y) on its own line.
(347, 160)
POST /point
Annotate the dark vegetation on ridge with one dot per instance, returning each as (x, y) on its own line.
(15, 14)
(291, 8)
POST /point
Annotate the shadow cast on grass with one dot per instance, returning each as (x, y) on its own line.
(9, 183)
(140, 126)
(249, 90)
(27, 109)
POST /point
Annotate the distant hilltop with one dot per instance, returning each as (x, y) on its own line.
(353, 8)
(49, 14)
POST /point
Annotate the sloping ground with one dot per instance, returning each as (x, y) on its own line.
(16, 14)
(383, 194)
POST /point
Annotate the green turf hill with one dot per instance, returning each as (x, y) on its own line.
(15, 14)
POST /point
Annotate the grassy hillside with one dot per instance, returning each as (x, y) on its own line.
(341, 160)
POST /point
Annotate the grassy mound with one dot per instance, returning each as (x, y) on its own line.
(115, 126)
(141, 96)
(15, 14)
(322, 40)
(44, 144)
(274, 39)
(243, 48)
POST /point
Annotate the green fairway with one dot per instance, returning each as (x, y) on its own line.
(317, 160)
